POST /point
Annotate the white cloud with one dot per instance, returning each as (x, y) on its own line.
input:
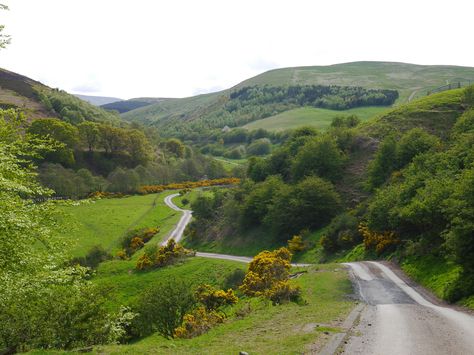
(177, 48)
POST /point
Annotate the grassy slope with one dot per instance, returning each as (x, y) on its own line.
(103, 222)
(411, 80)
(436, 113)
(310, 116)
(126, 284)
(267, 329)
(404, 77)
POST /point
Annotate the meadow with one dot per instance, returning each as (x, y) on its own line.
(310, 116)
(103, 222)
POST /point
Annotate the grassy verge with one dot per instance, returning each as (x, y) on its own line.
(104, 222)
(125, 283)
(285, 329)
(244, 244)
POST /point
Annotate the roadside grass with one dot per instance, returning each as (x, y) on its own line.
(310, 116)
(249, 243)
(435, 273)
(267, 329)
(191, 196)
(103, 222)
(125, 283)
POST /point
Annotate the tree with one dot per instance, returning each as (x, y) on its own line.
(384, 163)
(320, 156)
(261, 146)
(415, 141)
(163, 306)
(138, 147)
(176, 147)
(309, 204)
(60, 131)
(89, 134)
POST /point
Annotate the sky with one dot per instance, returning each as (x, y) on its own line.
(179, 48)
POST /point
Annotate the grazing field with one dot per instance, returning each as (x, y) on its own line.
(125, 283)
(266, 329)
(103, 222)
(310, 116)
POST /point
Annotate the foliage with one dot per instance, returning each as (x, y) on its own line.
(268, 276)
(320, 156)
(384, 163)
(43, 304)
(342, 233)
(198, 322)
(345, 121)
(165, 255)
(261, 146)
(135, 239)
(188, 185)
(93, 258)
(296, 244)
(162, 308)
(380, 242)
(214, 299)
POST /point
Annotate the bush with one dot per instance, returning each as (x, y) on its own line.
(198, 322)
(93, 258)
(380, 242)
(214, 299)
(261, 146)
(165, 255)
(296, 244)
(234, 279)
(268, 276)
(342, 233)
(162, 308)
(135, 239)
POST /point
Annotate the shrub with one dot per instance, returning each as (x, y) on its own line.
(135, 239)
(162, 308)
(163, 256)
(214, 299)
(198, 322)
(268, 276)
(379, 242)
(296, 244)
(93, 258)
(234, 279)
(342, 233)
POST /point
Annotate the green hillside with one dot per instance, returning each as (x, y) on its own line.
(37, 100)
(309, 116)
(188, 116)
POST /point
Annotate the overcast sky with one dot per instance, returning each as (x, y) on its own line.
(180, 48)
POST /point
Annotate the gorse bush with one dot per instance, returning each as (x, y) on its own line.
(268, 276)
(380, 242)
(198, 322)
(135, 239)
(161, 256)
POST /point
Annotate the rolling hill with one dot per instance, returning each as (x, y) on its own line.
(186, 116)
(122, 106)
(38, 101)
(98, 100)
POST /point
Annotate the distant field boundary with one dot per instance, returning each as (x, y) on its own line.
(451, 86)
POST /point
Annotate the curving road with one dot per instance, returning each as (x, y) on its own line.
(177, 234)
(402, 318)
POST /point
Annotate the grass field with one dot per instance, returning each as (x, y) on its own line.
(285, 329)
(104, 222)
(125, 283)
(309, 116)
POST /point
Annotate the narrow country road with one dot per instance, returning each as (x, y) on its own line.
(177, 234)
(402, 319)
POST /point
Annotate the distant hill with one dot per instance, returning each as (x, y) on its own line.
(188, 116)
(38, 100)
(98, 100)
(132, 104)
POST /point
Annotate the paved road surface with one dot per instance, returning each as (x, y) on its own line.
(177, 234)
(399, 320)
